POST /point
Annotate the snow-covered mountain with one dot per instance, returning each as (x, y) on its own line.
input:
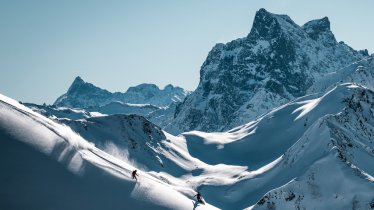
(277, 62)
(314, 152)
(330, 163)
(45, 165)
(82, 94)
(310, 147)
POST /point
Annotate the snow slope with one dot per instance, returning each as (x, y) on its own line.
(253, 145)
(331, 162)
(273, 161)
(45, 165)
(306, 154)
(311, 153)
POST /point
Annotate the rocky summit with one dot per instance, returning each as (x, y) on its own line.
(245, 78)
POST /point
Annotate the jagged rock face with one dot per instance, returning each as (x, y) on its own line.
(83, 94)
(247, 77)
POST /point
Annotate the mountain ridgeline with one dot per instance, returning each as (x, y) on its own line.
(304, 104)
(245, 78)
(82, 94)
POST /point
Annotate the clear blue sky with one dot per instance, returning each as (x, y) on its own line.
(44, 45)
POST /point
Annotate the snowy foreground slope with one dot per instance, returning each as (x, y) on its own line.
(45, 165)
(315, 152)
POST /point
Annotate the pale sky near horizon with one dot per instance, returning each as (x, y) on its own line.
(45, 44)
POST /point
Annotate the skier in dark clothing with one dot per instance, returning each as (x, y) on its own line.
(199, 198)
(134, 174)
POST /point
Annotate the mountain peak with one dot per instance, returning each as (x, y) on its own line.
(169, 87)
(78, 80)
(315, 28)
(267, 24)
(77, 84)
(143, 87)
(322, 24)
(263, 12)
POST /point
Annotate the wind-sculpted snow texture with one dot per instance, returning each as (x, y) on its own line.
(45, 165)
(314, 152)
(277, 62)
(333, 162)
(82, 94)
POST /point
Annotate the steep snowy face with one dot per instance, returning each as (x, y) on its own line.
(45, 165)
(361, 72)
(130, 137)
(260, 142)
(330, 161)
(275, 63)
(82, 94)
(310, 153)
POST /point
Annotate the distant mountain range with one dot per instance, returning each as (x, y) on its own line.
(82, 94)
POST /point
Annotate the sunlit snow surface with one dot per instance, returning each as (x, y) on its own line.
(76, 176)
(310, 153)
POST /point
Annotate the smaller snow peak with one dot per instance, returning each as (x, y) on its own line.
(364, 52)
(322, 24)
(144, 87)
(80, 86)
(325, 21)
(317, 28)
(169, 87)
(77, 83)
(78, 80)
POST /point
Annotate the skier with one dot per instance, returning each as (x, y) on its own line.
(134, 174)
(199, 198)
